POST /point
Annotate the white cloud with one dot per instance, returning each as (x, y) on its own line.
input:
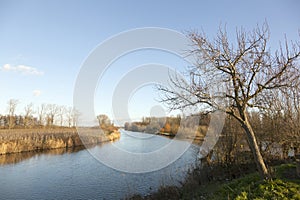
(36, 93)
(23, 69)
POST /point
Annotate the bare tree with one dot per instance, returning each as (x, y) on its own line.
(292, 110)
(69, 114)
(52, 111)
(61, 113)
(28, 111)
(75, 116)
(235, 77)
(12, 105)
(72, 116)
(41, 112)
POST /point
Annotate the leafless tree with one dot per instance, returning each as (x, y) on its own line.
(235, 77)
(72, 116)
(69, 114)
(61, 113)
(288, 111)
(75, 116)
(52, 111)
(28, 111)
(12, 105)
(41, 114)
(292, 110)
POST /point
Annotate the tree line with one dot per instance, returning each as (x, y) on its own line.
(44, 115)
(47, 116)
(169, 125)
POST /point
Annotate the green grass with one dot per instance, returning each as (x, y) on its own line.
(283, 186)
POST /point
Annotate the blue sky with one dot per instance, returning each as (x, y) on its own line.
(43, 43)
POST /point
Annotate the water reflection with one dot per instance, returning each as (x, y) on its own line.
(15, 158)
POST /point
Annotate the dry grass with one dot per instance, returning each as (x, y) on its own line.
(22, 140)
(13, 134)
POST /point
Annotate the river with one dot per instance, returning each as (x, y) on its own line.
(76, 174)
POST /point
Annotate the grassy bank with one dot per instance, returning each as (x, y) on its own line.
(23, 140)
(285, 185)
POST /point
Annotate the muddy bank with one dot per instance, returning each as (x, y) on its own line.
(23, 140)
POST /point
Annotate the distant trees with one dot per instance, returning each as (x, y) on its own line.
(167, 128)
(103, 120)
(61, 114)
(12, 105)
(41, 114)
(236, 77)
(106, 124)
(44, 115)
(51, 113)
(75, 115)
(169, 125)
(72, 116)
(28, 112)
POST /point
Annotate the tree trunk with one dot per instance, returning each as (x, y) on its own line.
(263, 171)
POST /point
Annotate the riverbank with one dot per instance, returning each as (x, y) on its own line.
(197, 137)
(284, 185)
(24, 140)
(15, 158)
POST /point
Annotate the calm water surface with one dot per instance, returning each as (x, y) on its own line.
(61, 174)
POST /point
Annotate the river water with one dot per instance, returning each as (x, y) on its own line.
(76, 174)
